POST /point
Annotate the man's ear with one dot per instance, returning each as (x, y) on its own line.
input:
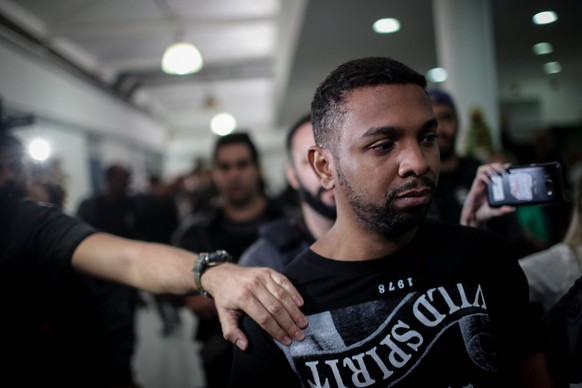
(292, 176)
(321, 163)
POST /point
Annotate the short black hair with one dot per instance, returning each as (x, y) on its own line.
(328, 104)
(298, 124)
(237, 138)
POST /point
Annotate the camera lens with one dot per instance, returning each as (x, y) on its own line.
(549, 183)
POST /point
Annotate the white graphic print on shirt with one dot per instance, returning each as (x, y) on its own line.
(384, 342)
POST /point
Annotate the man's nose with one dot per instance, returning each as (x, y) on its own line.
(413, 161)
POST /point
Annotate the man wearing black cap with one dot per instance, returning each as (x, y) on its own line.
(457, 172)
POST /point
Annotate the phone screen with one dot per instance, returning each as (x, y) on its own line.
(526, 185)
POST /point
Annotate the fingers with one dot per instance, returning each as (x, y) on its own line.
(266, 296)
(230, 330)
(503, 210)
(486, 170)
(286, 294)
(283, 282)
(275, 307)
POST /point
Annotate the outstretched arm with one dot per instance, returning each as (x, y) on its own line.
(266, 296)
(476, 211)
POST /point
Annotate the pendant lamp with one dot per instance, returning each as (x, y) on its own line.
(181, 58)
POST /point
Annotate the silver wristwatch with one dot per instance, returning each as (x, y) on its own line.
(205, 260)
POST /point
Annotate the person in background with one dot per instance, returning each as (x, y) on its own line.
(233, 226)
(114, 211)
(392, 296)
(457, 172)
(12, 175)
(554, 278)
(47, 192)
(157, 218)
(282, 240)
(551, 272)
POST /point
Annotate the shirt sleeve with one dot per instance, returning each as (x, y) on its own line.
(263, 364)
(43, 234)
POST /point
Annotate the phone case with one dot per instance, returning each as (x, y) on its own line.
(526, 185)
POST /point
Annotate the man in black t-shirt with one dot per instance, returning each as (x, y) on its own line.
(232, 225)
(393, 299)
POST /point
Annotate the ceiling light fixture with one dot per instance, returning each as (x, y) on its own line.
(181, 58)
(386, 26)
(542, 48)
(39, 149)
(437, 75)
(545, 17)
(552, 67)
(223, 124)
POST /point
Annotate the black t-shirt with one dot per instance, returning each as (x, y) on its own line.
(449, 309)
(209, 230)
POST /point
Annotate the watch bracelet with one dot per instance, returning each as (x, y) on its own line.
(205, 260)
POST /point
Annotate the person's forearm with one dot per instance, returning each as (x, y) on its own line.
(152, 267)
(265, 295)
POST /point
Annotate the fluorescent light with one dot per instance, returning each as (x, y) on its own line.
(39, 149)
(223, 124)
(545, 17)
(181, 58)
(542, 48)
(437, 75)
(552, 67)
(386, 26)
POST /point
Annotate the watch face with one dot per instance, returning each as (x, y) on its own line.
(218, 257)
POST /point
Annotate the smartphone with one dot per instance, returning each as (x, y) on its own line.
(531, 184)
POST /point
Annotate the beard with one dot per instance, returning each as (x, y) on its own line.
(316, 203)
(386, 219)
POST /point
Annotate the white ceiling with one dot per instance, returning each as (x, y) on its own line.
(263, 58)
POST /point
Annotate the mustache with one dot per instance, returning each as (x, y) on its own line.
(422, 182)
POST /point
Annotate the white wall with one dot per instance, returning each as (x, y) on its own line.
(68, 111)
(556, 94)
(39, 87)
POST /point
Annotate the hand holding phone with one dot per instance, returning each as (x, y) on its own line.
(527, 185)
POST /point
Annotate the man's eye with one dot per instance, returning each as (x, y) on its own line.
(383, 146)
(429, 139)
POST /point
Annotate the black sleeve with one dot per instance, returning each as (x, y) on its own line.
(263, 364)
(42, 232)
